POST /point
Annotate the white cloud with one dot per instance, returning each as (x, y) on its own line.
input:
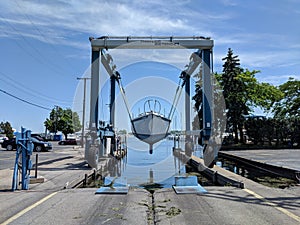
(277, 79)
(57, 19)
(229, 2)
(269, 59)
(62, 22)
(176, 57)
(92, 17)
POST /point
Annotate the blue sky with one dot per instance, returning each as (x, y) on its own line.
(45, 47)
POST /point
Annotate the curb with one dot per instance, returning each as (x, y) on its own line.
(216, 174)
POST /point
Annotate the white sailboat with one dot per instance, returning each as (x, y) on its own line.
(151, 126)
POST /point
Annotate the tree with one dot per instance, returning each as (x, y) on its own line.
(63, 120)
(234, 93)
(288, 105)
(288, 109)
(218, 107)
(7, 129)
(243, 92)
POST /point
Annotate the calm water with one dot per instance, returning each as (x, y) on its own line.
(141, 168)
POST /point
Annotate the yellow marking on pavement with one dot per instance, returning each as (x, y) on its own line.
(286, 212)
(21, 213)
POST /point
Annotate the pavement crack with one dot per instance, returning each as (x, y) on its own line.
(153, 207)
(151, 217)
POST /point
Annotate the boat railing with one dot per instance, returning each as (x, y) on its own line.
(155, 107)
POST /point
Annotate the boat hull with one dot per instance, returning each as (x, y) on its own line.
(151, 127)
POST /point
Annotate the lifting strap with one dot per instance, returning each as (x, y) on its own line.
(176, 100)
(118, 79)
(174, 103)
(110, 67)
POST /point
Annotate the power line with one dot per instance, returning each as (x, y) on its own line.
(22, 11)
(20, 99)
(42, 59)
(28, 90)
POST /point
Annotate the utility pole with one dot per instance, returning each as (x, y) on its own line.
(83, 107)
(56, 109)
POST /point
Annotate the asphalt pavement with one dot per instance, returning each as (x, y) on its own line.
(288, 158)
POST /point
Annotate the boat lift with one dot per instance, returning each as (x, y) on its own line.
(203, 54)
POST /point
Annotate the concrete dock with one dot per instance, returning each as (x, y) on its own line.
(53, 202)
(279, 162)
(288, 158)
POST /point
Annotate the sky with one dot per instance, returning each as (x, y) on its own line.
(45, 45)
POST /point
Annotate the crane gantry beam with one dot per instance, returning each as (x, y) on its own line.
(151, 42)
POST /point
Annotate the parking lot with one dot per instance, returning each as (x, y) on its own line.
(58, 153)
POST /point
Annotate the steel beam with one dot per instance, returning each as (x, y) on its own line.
(207, 95)
(187, 103)
(94, 91)
(151, 43)
(112, 100)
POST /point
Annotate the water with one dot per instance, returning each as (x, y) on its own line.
(140, 168)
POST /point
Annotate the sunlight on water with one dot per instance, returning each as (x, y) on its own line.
(140, 168)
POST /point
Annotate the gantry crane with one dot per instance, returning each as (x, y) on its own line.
(203, 54)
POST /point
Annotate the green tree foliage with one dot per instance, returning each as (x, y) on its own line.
(63, 120)
(5, 128)
(234, 91)
(243, 92)
(263, 95)
(287, 111)
(219, 113)
(260, 129)
(283, 129)
(274, 131)
(289, 104)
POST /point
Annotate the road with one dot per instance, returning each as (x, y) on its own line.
(221, 205)
(7, 158)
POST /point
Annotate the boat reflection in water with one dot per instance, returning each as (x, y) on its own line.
(140, 169)
(151, 126)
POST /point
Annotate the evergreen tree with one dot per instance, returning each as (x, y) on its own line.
(233, 91)
(242, 93)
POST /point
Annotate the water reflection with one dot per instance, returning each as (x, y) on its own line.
(198, 151)
(140, 168)
(233, 167)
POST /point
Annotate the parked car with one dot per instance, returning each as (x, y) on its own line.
(9, 144)
(37, 145)
(39, 137)
(69, 142)
(2, 139)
